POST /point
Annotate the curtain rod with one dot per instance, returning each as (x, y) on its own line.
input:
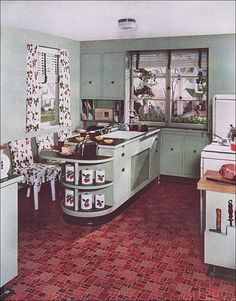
(49, 47)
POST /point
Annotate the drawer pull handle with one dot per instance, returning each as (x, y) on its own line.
(112, 82)
(194, 151)
(123, 169)
(90, 82)
(123, 154)
(172, 149)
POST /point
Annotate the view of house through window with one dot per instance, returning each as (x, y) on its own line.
(170, 86)
(49, 87)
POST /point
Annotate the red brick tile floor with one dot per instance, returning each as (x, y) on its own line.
(151, 251)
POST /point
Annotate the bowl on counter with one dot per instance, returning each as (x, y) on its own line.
(143, 128)
(99, 138)
(79, 138)
(133, 127)
(108, 141)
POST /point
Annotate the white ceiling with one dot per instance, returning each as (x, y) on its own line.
(97, 20)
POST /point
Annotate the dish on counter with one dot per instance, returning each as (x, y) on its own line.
(79, 139)
(65, 154)
(99, 138)
(108, 141)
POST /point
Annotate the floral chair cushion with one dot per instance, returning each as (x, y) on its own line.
(45, 141)
(62, 135)
(23, 164)
(38, 173)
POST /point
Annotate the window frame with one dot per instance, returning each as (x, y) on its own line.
(168, 101)
(44, 51)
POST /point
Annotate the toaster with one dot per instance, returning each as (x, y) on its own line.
(87, 149)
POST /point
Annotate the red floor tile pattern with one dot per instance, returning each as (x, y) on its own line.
(151, 251)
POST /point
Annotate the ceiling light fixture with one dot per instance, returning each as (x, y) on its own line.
(127, 23)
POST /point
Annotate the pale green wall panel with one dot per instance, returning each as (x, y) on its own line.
(221, 54)
(13, 77)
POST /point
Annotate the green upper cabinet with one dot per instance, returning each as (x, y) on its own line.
(90, 78)
(113, 75)
(103, 75)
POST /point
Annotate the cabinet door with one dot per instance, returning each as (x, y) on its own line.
(172, 155)
(8, 233)
(193, 146)
(122, 181)
(155, 159)
(90, 75)
(113, 75)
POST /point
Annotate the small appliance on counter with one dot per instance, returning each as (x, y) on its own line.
(87, 149)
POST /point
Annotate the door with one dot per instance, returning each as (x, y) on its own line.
(172, 155)
(113, 75)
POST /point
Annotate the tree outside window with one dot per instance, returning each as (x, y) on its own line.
(170, 86)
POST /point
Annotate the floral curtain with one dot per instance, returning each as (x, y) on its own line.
(33, 107)
(64, 89)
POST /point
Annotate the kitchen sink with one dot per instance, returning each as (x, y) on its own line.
(123, 135)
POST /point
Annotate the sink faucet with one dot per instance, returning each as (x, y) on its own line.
(223, 141)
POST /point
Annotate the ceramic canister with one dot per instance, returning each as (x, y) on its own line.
(86, 176)
(100, 176)
(69, 198)
(86, 201)
(70, 173)
(99, 200)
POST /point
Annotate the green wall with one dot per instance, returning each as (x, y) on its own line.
(13, 68)
(13, 78)
(221, 55)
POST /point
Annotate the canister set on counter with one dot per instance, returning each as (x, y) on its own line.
(87, 176)
(87, 200)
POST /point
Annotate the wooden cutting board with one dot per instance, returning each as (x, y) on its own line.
(212, 181)
(217, 177)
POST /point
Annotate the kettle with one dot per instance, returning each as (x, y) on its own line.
(232, 133)
(87, 149)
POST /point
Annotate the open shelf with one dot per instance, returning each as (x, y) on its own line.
(94, 186)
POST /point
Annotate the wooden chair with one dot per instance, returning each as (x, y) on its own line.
(34, 173)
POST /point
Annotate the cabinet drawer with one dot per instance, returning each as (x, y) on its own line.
(142, 145)
(120, 153)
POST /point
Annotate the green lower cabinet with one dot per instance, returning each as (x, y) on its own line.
(172, 154)
(192, 153)
(181, 152)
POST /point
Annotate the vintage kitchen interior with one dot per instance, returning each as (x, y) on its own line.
(118, 150)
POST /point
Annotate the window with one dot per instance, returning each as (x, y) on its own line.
(170, 87)
(48, 68)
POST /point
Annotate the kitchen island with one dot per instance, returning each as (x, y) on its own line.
(219, 235)
(126, 167)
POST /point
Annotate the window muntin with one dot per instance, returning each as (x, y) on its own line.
(170, 86)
